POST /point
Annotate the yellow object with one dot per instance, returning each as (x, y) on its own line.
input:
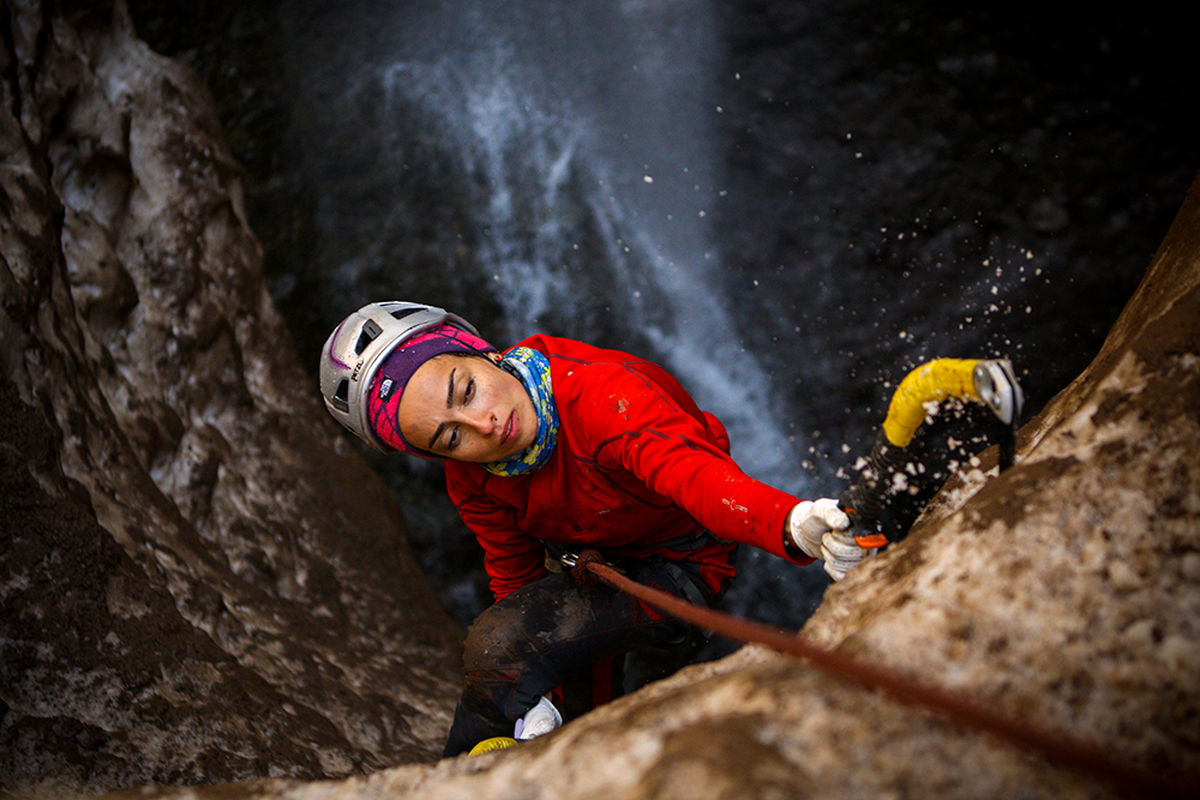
(494, 743)
(933, 381)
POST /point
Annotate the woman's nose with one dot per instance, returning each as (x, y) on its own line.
(483, 421)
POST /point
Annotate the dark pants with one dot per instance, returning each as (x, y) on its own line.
(545, 635)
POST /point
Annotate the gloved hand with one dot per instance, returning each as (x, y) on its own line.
(821, 530)
(539, 720)
(841, 553)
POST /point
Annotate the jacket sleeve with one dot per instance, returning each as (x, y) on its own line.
(643, 429)
(511, 558)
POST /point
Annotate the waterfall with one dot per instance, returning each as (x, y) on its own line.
(596, 124)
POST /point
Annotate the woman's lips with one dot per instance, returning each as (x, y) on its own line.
(510, 428)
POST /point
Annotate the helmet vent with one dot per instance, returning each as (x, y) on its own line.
(370, 330)
(401, 313)
(341, 398)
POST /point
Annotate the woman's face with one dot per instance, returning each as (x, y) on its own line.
(467, 409)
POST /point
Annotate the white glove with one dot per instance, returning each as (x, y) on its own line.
(539, 720)
(841, 553)
(820, 529)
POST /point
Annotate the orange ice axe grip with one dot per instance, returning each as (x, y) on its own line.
(871, 540)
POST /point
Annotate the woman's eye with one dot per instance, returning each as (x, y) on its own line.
(452, 442)
(469, 394)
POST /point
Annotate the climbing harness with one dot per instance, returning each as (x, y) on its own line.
(690, 584)
(882, 503)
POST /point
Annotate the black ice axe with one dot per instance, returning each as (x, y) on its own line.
(883, 502)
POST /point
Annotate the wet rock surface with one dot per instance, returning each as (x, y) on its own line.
(200, 581)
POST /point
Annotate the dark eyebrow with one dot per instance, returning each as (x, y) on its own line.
(449, 403)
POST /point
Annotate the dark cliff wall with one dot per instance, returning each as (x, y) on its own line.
(199, 579)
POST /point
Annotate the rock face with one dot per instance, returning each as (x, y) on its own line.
(202, 584)
(201, 581)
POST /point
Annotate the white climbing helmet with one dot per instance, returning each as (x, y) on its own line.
(358, 346)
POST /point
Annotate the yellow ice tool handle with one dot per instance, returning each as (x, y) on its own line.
(931, 382)
(494, 743)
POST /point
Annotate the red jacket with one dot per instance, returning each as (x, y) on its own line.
(637, 466)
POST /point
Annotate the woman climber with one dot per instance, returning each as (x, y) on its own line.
(553, 447)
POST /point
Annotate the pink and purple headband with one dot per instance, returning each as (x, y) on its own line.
(383, 395)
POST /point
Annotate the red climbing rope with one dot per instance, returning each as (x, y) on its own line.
(1056, 747)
